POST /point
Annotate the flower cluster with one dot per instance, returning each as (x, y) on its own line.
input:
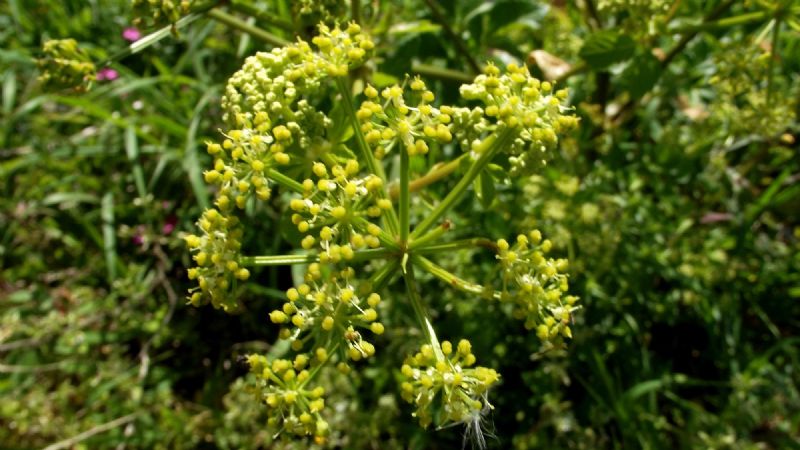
(334, 212)
(275, 82)
(216, 253)
(327, 312)
(295, 407)
(636, 8)
(532, 112)
(340, 50)
(536, 285)
(445, 380)
(243, 159)
(161, 12)
(279, 136)
(65, 65)
(394, 123)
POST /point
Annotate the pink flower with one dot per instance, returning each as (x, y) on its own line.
(169, 226)
(131, 34)
(107, 74)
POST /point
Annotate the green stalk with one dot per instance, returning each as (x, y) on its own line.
(487, 149)
(455, 245)
(373, 165)
(282, 260)
(422, 316)
(278, 260)
(238, 24)
(384, 237)
(741, 19)
(405, 200)
(153, 38)
(284, 181)
(442, 73)
(382, 276)
(435, 174)
(431, 236)
(449, 278)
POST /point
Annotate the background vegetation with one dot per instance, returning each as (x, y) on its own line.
(676, 203)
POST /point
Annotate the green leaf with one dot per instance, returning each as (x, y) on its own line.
(641, 74)
(605, 48)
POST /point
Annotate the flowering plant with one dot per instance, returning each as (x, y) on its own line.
(359, 234)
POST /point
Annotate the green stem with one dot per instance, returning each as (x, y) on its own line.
(262, 16)
(437, 173)
(373, 165)
(442, 73)
(278, 260)
(152, 38)
(238, 24)
(431, 236)
(422, 316)
(384, 237)
(456, 245)
(405, 199)
(382, 276)
(742, 19)
(283, 260)
(686, 38)
(284, 181)
(487, 150)
(449, 278)
(330, 349)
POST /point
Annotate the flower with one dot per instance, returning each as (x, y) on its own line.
(131, 34)
(107, 74)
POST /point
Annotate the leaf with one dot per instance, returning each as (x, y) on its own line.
(132, 150)
(641, 74)
(109, 237)
(605, 48)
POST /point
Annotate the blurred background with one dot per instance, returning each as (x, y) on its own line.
(676, 202)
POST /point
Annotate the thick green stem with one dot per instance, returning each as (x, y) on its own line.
(405, 199)
(487, 150)
(373, 164)
(437, 173)
(451, 279)
(442, 73)
(422, 316)
(236, 23)
(153, 38)
(431, 236)
(284, 181)
(742, 19)
(456, 245)
(283, 260)
(278, 260)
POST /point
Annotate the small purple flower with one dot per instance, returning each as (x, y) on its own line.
(169, 226)
(138, 240)
(107, 74)
(131, 34)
